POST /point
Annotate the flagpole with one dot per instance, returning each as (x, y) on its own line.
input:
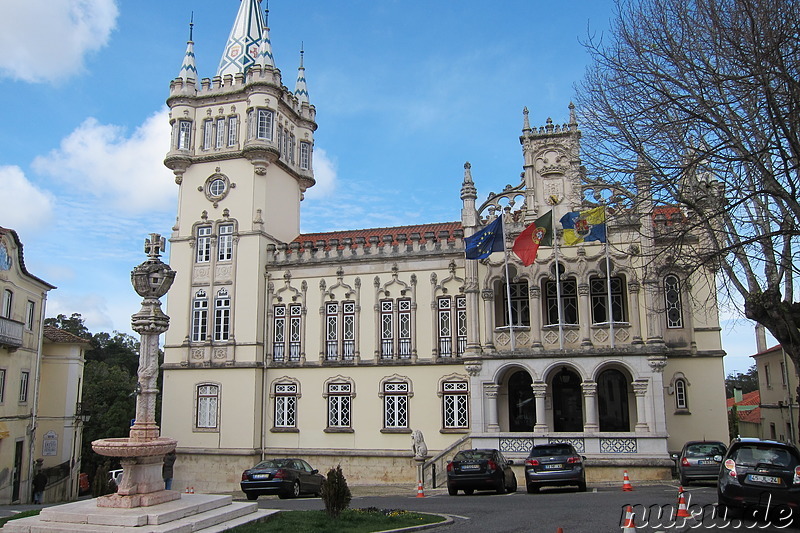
(610, 312)
(558, 297)
(508, 286)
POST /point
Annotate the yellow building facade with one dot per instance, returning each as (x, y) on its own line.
(337, 346)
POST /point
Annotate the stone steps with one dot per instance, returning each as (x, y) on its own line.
(206, 513)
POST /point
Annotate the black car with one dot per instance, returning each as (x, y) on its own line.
(480, 469)
(759, 474)
(699, 460)
(288, 478)
(555, 464)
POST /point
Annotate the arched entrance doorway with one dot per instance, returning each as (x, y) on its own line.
(612, 400)
(567, 401)
(521, 404)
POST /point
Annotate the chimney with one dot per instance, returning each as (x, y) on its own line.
(737, 395)
(761, 338)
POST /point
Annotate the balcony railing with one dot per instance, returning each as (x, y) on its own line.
(10, 333)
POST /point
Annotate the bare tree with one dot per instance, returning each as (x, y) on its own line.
(695, 104)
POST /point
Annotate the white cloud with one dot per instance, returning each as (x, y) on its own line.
(27, 208)
(127, 172)
(47, 40)
(324, 173)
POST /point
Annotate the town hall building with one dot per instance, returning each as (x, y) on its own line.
(336, 347)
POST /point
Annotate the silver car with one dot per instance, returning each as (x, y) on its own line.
(699, 460)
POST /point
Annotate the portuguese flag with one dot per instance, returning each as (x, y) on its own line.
(538, 233)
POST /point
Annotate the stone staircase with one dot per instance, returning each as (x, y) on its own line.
(207, 513)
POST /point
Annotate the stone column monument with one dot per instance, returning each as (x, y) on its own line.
(142, 453)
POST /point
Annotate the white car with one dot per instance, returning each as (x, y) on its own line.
(115, 476)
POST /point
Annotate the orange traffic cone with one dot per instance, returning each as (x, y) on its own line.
(191, 490)
(186, 491)
(560, 530)
(626, 483)
(629, 526)
(420, 492)
(683, 512)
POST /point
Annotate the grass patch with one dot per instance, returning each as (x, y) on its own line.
(350, 521)
(23, 514)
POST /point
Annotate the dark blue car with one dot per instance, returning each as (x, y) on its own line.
(288, 478)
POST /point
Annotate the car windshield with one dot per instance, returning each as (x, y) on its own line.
(276, 463)
(755, 455)
(705, 449)
(473, 455)
(550, 450)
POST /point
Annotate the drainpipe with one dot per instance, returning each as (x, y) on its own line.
(790, 400)
(35, 410)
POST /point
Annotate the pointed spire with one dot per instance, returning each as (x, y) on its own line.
(189, 69)
(526, 123)
(468, 190)
(300, 89)
(265, 59)
(243, 42)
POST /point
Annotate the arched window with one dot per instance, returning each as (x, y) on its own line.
(199, 316)
(612, 399)
(207, 416)
(567, 401)
(672, 301)
(599, 291)
(521, 403)
(222, 316)
(681, 399)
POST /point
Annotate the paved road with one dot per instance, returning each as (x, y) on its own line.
(600, 510)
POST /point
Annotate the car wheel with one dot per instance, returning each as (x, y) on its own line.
(469, 492)
(684, 480)
(513, 487)
(452, 492)
(251, 495)
(501, 486)
(294, 492)
(532, 489)
(582, 486)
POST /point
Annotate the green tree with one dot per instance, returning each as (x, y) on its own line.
(74, 324)
(746, 381)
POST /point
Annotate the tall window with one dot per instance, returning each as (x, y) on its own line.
(339, 403)
(8, 299)
(767, 376)
(681, 401)
(263, 124)
(220, 133)
(569, 301)
(2, 385)
(23, 386)
(672, 301)
(285, 405)
(292, 147)
(305, 155)
(455, 402)
(783, 374)
(286, 328)
(233, 128)
(207, 406)
(208, 134)
(348, 330)
(598, 290)
(225, 242)
(199, 316)
(340, 330)
(203, 244)
(332, 330)
(451, 321)
(222, 316)
(395, 405)
(395, 327)
(184, 134)
(445, 323)
(30, 316)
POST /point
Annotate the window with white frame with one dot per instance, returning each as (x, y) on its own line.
(285, 144)
(340, 330)
(8, 300)
(348, 330)
(207, 406)
(203, 244)
(461, 325)
(24, 377)
(455, 402)
(672, 301)
(233, 128)
(681, 400)
(395, 405)
(222, 315)
(225, 242)
(220, 127)
(520, 304)
(199, 316)
(339, 405)
(332, 330)
(395, 328)
(387, 329)
(783, 374)
(208, 134)
(30, 316)
(305, 155)
(285, 405)
(264, 120)
(292, 147)
(449, 321)
(568, 291)
(184, 131)
(767, 376)
(598, 293)
(286, 332)
(2, 385)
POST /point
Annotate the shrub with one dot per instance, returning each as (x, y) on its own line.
(335, 492)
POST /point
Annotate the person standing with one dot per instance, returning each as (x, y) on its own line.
(166, 470)
(39, 483)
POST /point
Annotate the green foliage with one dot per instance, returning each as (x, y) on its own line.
(23, 514)
(73, 324)
(335, 492)
(747, 381)
(102, 485)
(350, 521)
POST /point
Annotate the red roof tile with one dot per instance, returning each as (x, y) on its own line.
(54, 334)
(750, 398)
(753, 415)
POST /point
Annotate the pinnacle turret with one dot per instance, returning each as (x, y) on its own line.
(300, 89)
(188, 68)
(265, 59)
(242, 49)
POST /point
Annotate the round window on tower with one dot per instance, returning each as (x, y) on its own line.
(217, 187)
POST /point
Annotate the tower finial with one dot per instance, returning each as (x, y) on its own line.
(526, 123)
(191, 26)
(244, 40)
(300, 88)
(188, 68)
(264, 59)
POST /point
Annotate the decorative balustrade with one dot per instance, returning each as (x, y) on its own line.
(10, 333)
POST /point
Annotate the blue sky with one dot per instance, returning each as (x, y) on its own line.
(405, 91)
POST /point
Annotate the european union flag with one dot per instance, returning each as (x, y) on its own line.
(486, 241)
